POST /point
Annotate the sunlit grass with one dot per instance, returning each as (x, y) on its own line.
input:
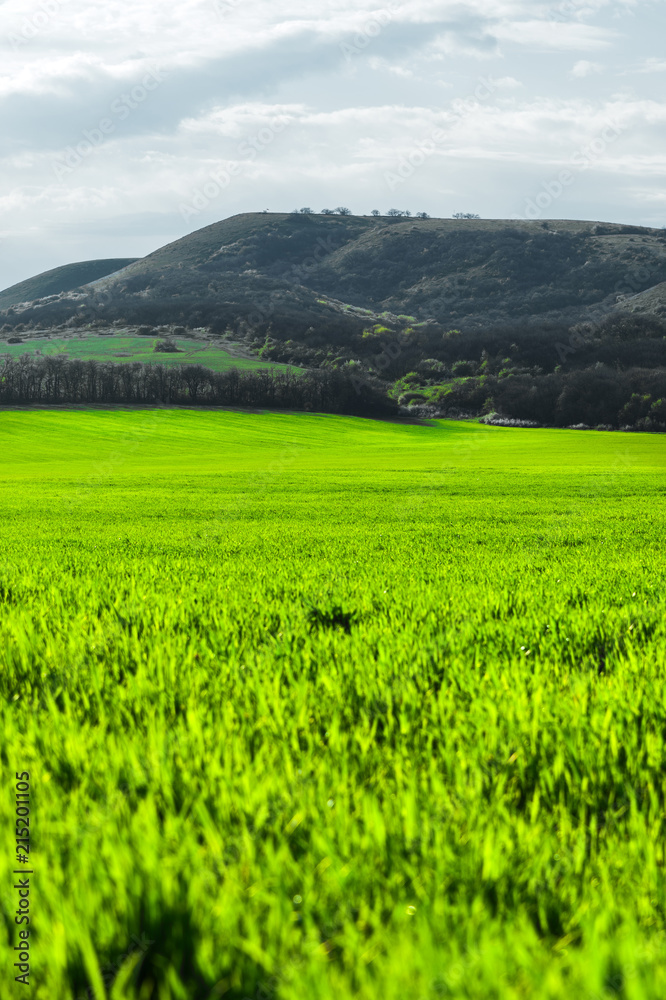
(127, 349)
(320, 707)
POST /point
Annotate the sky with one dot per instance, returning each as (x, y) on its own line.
(128, 124)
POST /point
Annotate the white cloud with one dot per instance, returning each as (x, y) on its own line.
(585, 68)
(507, 83)
(652, 65)
(387, 66)
(237, 121)
(568, 36)
(356, 86)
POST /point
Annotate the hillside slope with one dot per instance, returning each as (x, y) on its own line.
(425, 304)
(61, 279)
(479, 271)
(650, 302)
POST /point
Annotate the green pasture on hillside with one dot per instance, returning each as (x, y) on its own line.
(127, 349)
(318, 708)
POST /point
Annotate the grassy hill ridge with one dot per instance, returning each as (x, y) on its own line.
(464, 315)
(477, 271)
(61, 279)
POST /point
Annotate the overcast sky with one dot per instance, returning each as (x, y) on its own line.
(129, 123)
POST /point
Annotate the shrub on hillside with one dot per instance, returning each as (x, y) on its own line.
(167, 346)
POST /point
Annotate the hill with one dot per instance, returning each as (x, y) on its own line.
(61, 279)
(446, 312)
(480, 272)
(650, 302)
(446, 270)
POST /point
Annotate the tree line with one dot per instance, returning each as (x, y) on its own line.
(595, 396)
(56, 380)
(598, 396)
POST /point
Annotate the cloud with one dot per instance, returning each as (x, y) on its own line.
(652, 65)
(507, 83)
(309, 106)
(585, 68)
(547, 35)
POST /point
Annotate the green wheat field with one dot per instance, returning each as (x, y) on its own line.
(125, 348)
(318, 708)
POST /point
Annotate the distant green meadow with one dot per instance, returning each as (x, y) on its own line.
(127, 349)
(318, 708)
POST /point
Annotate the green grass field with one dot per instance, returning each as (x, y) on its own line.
(318, 708)
(126, 349)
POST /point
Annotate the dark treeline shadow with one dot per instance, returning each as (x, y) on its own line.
(597, 396)
(54, 380)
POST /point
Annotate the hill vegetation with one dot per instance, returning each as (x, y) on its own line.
(57, 380)
(463, 314)
(61, 279)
